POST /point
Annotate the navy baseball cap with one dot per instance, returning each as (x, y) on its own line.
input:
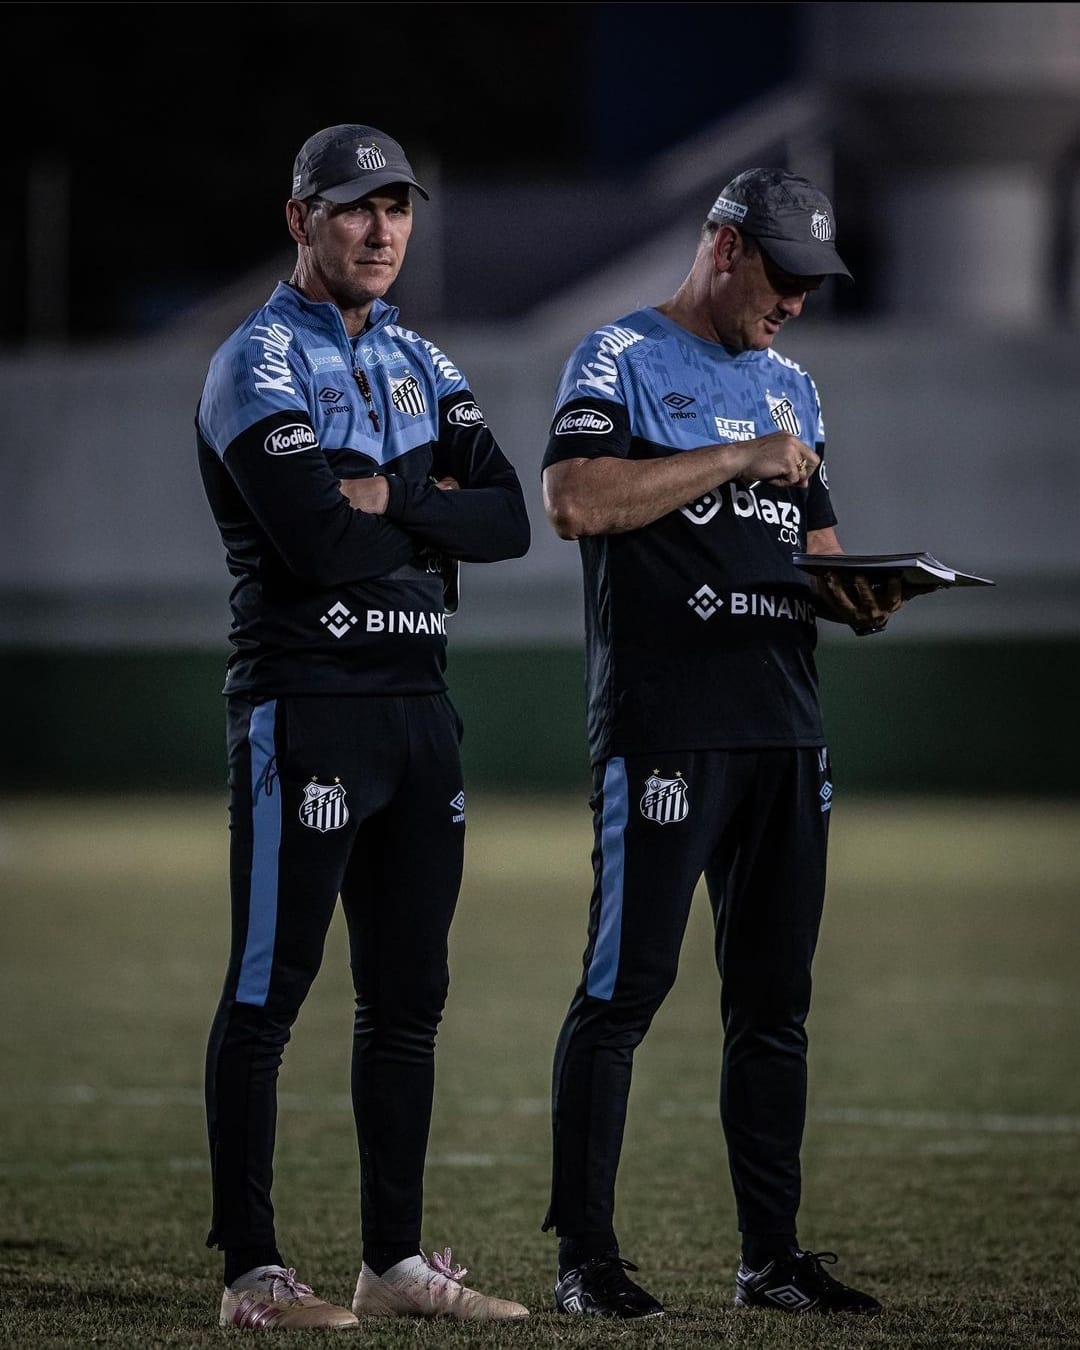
(345, 162)
(791, 219)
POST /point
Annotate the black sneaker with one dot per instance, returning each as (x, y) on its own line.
(798, 1284)
(600, 1287)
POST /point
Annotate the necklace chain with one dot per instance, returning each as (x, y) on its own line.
(365, 389)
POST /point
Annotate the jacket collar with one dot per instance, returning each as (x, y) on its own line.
(322, 314)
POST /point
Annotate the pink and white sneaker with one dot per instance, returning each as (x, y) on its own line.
(428, 1286)
(271, 1297)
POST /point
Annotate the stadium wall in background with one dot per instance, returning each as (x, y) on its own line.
(978, 717)
(113, 590)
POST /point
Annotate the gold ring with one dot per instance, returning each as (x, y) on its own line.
(802, 465)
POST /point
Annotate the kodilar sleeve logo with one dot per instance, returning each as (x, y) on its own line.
(585, 421)
(290, 440)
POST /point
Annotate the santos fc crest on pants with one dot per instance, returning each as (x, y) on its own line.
(664, 801)
(323, 808)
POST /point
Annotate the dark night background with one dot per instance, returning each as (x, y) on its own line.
(173, 126)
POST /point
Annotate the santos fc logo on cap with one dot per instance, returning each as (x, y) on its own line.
(370, 157)
(821, 226)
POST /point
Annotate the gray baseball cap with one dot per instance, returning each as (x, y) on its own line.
(791, 219)
(345, 162)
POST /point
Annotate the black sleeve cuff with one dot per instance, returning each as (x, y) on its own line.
(398, 491)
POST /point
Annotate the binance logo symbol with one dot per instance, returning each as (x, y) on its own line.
(705, 602)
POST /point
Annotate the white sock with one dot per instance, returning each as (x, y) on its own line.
(251, 1277)
(410, 1265)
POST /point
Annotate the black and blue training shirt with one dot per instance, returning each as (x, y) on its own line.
(700, 632)
(328, 599)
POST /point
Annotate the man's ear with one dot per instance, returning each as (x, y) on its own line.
(727, 246)
(296, 218)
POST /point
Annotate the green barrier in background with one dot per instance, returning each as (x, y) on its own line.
(911, 717)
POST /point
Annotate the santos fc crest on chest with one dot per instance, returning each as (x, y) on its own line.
(782, 412)
(665, 801)
(408, 395)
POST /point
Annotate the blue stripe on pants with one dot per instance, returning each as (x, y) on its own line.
(254, 981)
(604, 965)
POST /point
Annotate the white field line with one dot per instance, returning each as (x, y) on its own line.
(951, 1122)
(107, 1167)
(948, 1122)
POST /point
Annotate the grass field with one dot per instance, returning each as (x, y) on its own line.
(942, 1157)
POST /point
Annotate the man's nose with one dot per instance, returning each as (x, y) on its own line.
(792, 304)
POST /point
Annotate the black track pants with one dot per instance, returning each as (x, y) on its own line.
(755, 824)
(329, 795)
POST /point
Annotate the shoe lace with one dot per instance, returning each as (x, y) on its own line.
(442, 1263)
(287, 1278)
(812, 1262)
(610, 1272)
